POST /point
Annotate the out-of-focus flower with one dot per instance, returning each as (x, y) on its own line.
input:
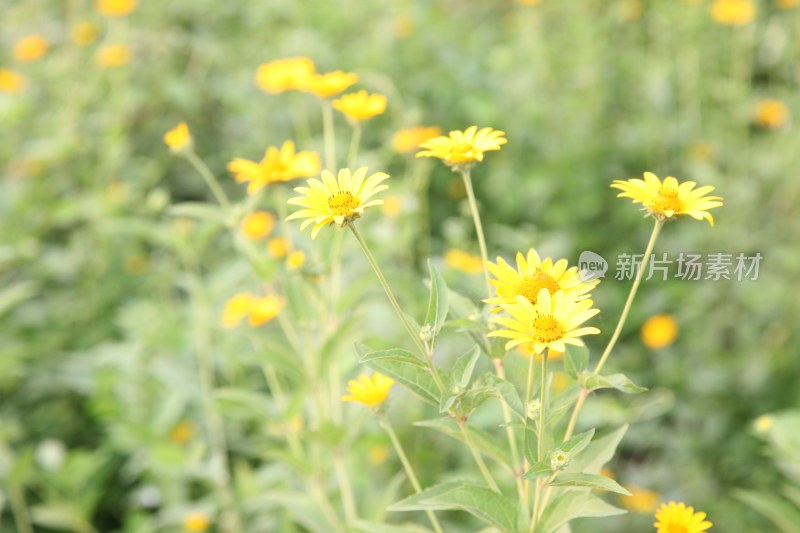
(560, 379)
(631, 10)
(460, 150)
(641, 500)
(278, 165)
(236, 309)
(285, 74)
(257, 225)
(51, 454)
(771, 113)
(196, 522)
(178, 138)
(11, 82)
(371, 391)
(115, 8)
(378, 454)
(674, 517)
(733, 12)
(278, 247)
(264, 309)
(360, 106)
(295, 260)
(392, 205)
(330, 84)
(136, 264)
(763, 423)
(83, 33)
(788, 4)
(113, 56)
(463, 261)
(529, 2)
(181, 433)
(403, 26)
(702, 151)
(409, 139)
(659, 331)
(30, 48)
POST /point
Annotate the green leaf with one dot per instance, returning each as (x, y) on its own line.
(198, 210)
(405, 368)
(537, 470)
(597, 453)
(589, 480)
(779, 511)
(571, 505)
(17, 293)
(437, 303)
(464, 366)
(591, 382)
(577, 443)
(487, 505)
(364, 526)
(392, 354)
(576, 359)
(485, 442)
(506, 392)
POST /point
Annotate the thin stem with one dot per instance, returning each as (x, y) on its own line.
(537, 503)
(476, 218)
(487, 476)
(528, 399)
(412, 477)
(328, 134)
(348, 502)
(355, 142)
(512, 442)
(210, 180)
(324, 503)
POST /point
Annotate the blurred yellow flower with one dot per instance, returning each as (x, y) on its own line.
(338, 201)
(733, 12)
(403, 26)
(551, 323)
(461, 149)
(771, 113)
(278, 165)
(463, 261)
(659, 331)
(115, 8)
(284, 74)
(632, 10)
(360, 106)
(607, 472)
(763, 423)
(30, 48)
(236, 309)
(278, 247)
(532, 275)
(641, 500)
(181, 433)
(788, 4)
(112, 56)
(371, 391)
(676, 517)
(392, 205)
(295, 260)
(257, 225)
(178, 138)
(378, 454)
(529, 2)
(702, 150)
(136, 264)
(409, 139)
(196, 522)
(258, 309)
(83, 33)
(560, 379)
(11, 82)
(330, 84)
(669, 199)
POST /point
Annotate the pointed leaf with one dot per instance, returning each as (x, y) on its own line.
(506, 392)
(393, 354)
(406, 370)
(571, 505)
(597, 453)
(621, 382)
(576, 444)
(464, 366)
(484, 441)
(576, 359)
(779, 511)
(592, 481)
(537, 470)
(437, 303)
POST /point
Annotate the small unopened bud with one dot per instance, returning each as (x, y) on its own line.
(426, 333)
(532, 409)
(558, 459)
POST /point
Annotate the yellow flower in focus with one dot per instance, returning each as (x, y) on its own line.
(669, 199)
(463, 261)
(409, 139)
(532, 275)
(392, 205)
(788, 4)
(83, 33)
(338, 201)
(236, 309)
(551, 323)
(178, 138)
(196, 522)
(284, 74)
(460, 150)
(112, 56)
(330, 84)
(181, 433)
(677, 518)
(371, 391)
(264, 309)
(295, 260)
(378, 454)
(278, 165)
(659, 331)
(30, 48)
(733, 12)
(257, 225)
(115, 8)
(11, 82)
(771, 113)
(278, 247)
(641, 500)
(360, 106)
(763, 423)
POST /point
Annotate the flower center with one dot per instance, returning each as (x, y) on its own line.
(546, 329)
(676, 528)
(531, 285)
(342, 204)
(667, 200)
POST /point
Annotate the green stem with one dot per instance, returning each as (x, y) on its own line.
(18, 508)
(210, 180)
(324, 503)
(348, 502)
(476, 219)
(487, 476)
(355, 141)
(528, 399)
(328, 134)
(537, 505)
(412, 477)
(512, 442)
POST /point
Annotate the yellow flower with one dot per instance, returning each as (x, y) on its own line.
(528, 2)
(551, 323)
(409, 139)
(772, 113)
(532, 275)
(257, 225)
(295, 260)
(669, 199)
(264, 309)
(11, 82)
(115, 8)
(330, 84)
(112, 55)
(196, 522)
(462, 149)
(178, 138)
(392, 205)
(378, 454)
(788, 4)
(339, 201)
(83, 33)
(278, 247)
(733, 12)
(463, 261)
(236, 309)
(278, 165)
(284, 74)
(763, 423)
(360, 106)
(677, 518)
(659, 331)
(181, 433)
(641, 500)
(371, 391)
(30, 48)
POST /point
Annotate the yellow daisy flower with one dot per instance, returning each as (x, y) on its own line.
(409, 139)
(284, 74)
(257, 225)
(115, 8)
(551, 323)
(278, 165)
(178, 138)
(30, 48)
(278, 247)
(532, 275)
(659, 331)
(330, 84)
(771, 113)
(112, 56)
(341, 201)
(236, 308)
(83, 33)
(360, 106)
(462, 149)
(463, 261)
(670, 198)
(11, 82)
(295, 260)
(181, 433)
(733, 12)
(677, 518)
(196, 522)
(263, 309)
(371, 391)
